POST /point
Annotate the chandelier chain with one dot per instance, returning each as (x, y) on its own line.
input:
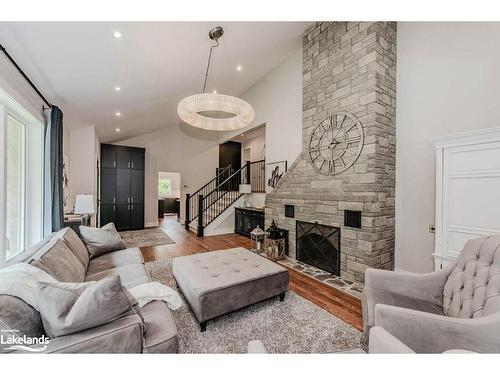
(208, 64)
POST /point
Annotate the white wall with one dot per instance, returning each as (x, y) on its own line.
(83, 154)
(447, 82)
(277, 101)
(182, 149)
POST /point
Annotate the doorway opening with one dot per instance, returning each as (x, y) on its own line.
(169, 194)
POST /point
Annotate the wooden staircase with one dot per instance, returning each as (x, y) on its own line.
(217, 195)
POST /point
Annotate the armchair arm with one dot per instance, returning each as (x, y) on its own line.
(425, 287)
(382, 342)
(124, 335)
(431, 333)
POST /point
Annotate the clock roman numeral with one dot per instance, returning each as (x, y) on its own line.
(333, 122)
(317, 156)
(331, 166)
(354, 139)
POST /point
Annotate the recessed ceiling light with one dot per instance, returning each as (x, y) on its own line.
(118, 114)
(214, 92)
(117, 130)
(117, 88)
(117, 35)
(242, 134)
(239, 68)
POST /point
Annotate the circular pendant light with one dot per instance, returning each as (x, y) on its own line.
(215, 111)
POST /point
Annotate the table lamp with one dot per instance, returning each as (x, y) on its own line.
(246, 189)
(84, 204)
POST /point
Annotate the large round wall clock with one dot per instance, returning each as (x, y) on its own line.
(336, 143)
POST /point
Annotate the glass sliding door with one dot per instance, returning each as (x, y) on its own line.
(21, 178)
(15, 136)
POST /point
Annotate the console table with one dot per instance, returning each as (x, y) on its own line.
(247, 219)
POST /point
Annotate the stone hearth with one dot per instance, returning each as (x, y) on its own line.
(353, 288)
(347, 67)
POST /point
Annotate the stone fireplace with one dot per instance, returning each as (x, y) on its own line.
(348, 67)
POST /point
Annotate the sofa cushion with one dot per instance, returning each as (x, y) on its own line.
(473, 287)
(73, 307)
(161, 333)
(18, 315)
(102, 240)
(131, 275)
(115, 259)
(75, 244)
(57, 259)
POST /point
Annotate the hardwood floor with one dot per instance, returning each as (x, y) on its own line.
(338, 303)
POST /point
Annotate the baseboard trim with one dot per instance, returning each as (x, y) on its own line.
(151, 224)
(218, 231)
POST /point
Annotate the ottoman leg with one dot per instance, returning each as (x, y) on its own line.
(282, 297)
(203, 326)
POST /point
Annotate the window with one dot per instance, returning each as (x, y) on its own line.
(164, 187)
(15, 176)
(21, 173)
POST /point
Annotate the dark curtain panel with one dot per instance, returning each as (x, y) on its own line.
(55, 135)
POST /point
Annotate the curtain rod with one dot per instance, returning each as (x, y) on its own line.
(2, 48)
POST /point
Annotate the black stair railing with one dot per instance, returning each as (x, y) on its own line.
(221, 192)
(191, 209)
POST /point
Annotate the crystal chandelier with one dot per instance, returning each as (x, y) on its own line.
(215, 111)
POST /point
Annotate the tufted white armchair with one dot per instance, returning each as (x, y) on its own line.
(457, 307)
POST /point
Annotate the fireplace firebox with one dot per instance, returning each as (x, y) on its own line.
(318, 245)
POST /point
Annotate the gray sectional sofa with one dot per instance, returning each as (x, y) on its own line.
(65, 257)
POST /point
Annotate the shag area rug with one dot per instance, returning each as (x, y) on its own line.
(293, 326)
(146, 237)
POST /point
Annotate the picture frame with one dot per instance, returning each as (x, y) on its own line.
(274, 172)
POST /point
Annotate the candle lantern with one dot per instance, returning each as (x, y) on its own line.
(257, 239)
(274, 243)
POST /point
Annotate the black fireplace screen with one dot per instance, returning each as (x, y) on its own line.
(319, 246)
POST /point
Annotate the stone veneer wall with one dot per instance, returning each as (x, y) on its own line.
(351, 67)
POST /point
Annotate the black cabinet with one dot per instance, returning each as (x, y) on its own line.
(121, 198)
(247, 219)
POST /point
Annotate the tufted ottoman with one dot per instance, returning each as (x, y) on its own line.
(218, 282)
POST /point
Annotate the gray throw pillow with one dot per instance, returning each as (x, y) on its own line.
(102, 240)
(73, 307)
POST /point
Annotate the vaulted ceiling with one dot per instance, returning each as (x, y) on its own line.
(78, 65)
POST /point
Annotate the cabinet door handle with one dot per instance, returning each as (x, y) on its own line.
(128, 207)
(132, 164)
(132, 207)
(114, 208)
(114, 200)
(114, 164)
(128, 164)
(131, 199)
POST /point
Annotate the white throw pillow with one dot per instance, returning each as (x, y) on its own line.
(20, 280)
(102, 240)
